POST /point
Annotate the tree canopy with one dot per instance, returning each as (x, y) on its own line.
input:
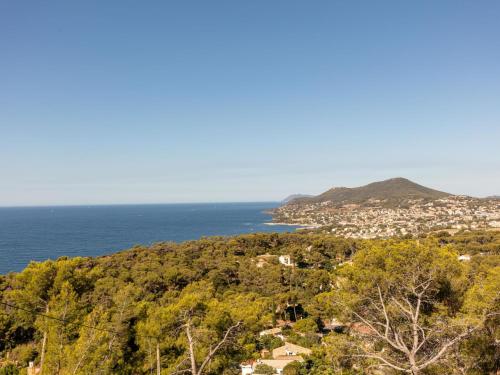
(197, 307)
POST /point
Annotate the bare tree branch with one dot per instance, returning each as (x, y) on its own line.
(445, 348)
(218, 346)
(191, 347)
(194, 370)
(401, 329)
(384, 361)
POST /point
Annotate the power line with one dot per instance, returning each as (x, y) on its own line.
(65, 321)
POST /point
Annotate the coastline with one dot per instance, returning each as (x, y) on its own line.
(102, 229)
(300, 226)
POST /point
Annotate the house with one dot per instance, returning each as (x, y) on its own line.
(264, 260)
(32, 369)
(277, 364)
(495, 223)
(290, 349)
(248, 368)
(333, 324)
(286, 260)
(283, 323)
(361, 329)
(282, 356)
(271, 331)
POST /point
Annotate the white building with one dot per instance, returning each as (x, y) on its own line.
(246, 368)
(272, 331)
(286, 260)
(277, 364)
(282, 356)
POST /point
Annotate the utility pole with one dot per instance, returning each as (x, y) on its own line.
(44, 341)
(158, 366)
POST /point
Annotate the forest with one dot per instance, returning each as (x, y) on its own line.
(427, 305)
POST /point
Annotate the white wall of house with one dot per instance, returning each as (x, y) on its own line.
(285, 260)
(246, 370)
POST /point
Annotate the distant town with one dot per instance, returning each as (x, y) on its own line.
(374, 218)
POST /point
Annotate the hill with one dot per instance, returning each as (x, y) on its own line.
(295, 196)
(392, 191)
(105, 315)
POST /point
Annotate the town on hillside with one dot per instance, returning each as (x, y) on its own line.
(384, 211)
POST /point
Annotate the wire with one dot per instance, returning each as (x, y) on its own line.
(64, 321)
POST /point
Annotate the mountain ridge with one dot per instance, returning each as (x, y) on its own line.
(392, 191)
(292, 197)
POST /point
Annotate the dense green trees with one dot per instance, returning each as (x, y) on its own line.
(202, 303)
(406, 295)
(293, 368)
(264, 369)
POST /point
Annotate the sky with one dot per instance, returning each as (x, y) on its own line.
(105, 102)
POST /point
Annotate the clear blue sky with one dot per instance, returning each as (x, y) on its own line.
(190, 101)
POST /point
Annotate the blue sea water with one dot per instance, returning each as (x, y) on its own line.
(40, 233)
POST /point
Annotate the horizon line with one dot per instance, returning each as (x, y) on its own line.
(133, 204)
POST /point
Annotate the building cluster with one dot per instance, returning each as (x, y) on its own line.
(375, 218)
(279, 359)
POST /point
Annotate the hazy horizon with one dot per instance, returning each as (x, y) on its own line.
(191, 202)
(131, 103)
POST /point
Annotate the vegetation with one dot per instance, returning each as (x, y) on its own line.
(263, 369)
(404, 306)
(394, 191)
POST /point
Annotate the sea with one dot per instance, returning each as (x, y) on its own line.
(41, 233)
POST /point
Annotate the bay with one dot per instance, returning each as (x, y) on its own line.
(40, 233)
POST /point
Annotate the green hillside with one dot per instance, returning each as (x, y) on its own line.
(166, 307)
(394, 190)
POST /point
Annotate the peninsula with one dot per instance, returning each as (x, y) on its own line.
(388, 208)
